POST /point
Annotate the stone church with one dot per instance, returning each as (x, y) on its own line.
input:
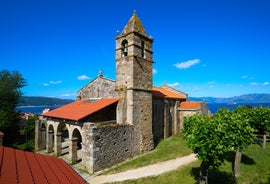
(113, 120)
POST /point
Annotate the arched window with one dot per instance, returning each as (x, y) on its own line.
(124, 48)
(142, 49)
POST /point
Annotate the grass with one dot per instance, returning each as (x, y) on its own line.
(28, 146)
(255, 169)
(171, 148)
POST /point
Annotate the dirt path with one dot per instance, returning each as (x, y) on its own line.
(151, 170)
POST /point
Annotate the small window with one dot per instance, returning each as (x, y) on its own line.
(124, 48)
(142, 49)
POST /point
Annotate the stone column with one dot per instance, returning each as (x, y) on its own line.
(166, 119)
(58, 144)
(88, 147)
(73, 150)
(121, 110)
(38, 136)
(42, 145)
(49, 144)
(176, 119)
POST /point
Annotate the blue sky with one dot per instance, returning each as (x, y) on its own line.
(218, 48)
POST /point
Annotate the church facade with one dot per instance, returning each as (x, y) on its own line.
(112, 121)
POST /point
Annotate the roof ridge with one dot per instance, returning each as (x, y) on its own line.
(134, 25)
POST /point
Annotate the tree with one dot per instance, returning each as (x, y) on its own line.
(211, 137)
(239, 133)
(10, 85)
(207, 138)
(30, 126)
(260, 120)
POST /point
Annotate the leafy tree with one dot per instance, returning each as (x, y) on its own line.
(260, 120)
(10, 85)
(211, 137)
(207, 138)
(30, 126)
(239, 133)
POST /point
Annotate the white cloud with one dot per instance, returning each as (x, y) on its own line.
(174, 84)
(83, 77)
(45, 84)
(187, 64)
(196, 89)
(266, 83)
(211, 82)
(247, 77)
(155, 71)
(255, 84)
(52, 83)
(260, 84)
(68, 95)
(55, 82)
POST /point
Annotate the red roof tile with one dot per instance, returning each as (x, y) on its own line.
(17, 166)
(80, 109)
(190, 105)
(163, 93)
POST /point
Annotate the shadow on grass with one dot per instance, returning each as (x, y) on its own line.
(214, 176)
(229, 156)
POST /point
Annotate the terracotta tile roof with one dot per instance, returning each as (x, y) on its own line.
(17, 166)
(80, 109)
(163, 93)
(190, 105)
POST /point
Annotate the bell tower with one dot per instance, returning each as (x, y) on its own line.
(134, 82)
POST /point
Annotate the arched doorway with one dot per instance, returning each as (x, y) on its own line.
(62, 139)
(76, 146)
(43, 136)
(50, 139)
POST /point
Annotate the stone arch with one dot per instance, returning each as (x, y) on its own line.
(75, 147)
(124, 48)
(76, 134)
(43, 129)
(40, 135)
(50, 138)
(61, 138)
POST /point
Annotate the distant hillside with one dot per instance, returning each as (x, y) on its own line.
(41, 101)
(248, 98)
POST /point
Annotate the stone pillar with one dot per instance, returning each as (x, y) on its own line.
(43, 139)
(38, 137)
(121, 110)
(49, 144)
(175, 118)
(88, 147)
(73, 156)
(58, 144)
(166, 119)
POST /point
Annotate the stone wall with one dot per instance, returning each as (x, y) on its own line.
(142, 118)
(158, 120)
(100, 87)
(105, 146)
(165, 118)
(203, 110)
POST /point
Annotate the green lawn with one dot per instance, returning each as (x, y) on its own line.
(171, 148)
(255, 169)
